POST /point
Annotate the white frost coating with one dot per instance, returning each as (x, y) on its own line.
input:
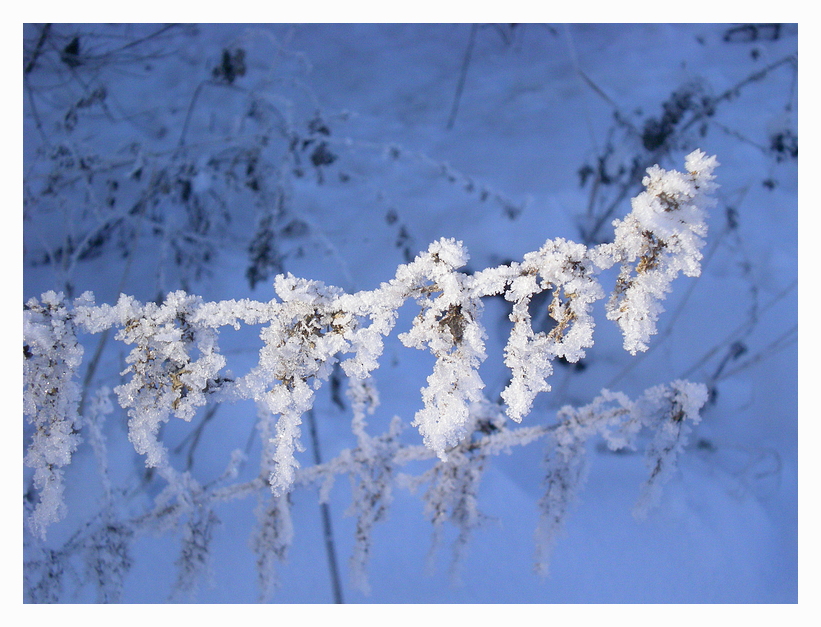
(94, 420)
(51, 394)
(300, 346)
(563, 268)
(662, 236)
(273, 537)
(448, 326)
(668, 410)
(165, 379)
(175, 363)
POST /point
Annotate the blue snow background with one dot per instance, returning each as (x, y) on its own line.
(537, 105)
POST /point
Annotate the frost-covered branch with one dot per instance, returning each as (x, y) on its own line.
(175, 367)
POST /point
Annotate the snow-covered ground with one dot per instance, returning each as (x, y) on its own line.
(408, 157)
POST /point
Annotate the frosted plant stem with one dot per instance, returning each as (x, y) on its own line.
(175, 366)
(673, 317)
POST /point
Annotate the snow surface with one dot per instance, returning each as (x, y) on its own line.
(537, 105)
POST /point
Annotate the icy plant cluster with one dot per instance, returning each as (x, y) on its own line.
(175, 367)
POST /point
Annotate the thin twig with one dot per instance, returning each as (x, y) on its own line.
(740, 331)
(790, 336)
(188, 113)
(143, 39)
(37, 121)
(654, 157)
(95, 360)
(195, 436)
(330, 547)
(462, 75)
(37, 49)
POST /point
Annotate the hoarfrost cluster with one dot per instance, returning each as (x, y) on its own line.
(175, 367)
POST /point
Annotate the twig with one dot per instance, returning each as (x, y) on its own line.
(327, 527)
(778, 344)
(652, 157)
(588, 81)
(95, 360)
(37, 49)
(740, 331)
(462, 75)
(730, 93)
(195, 435)
(37, 121)
(188, 113)
(143, 39)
